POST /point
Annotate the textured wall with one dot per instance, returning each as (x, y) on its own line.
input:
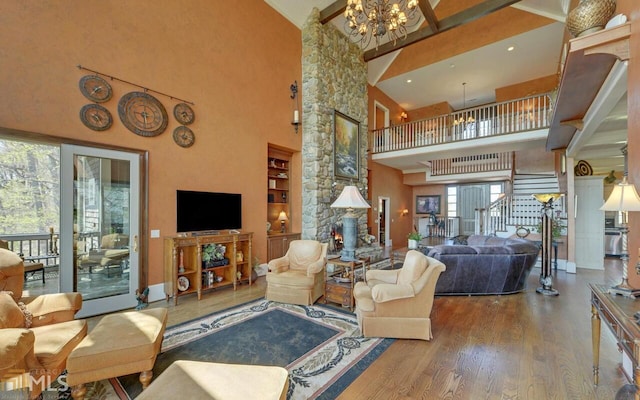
(334, 77)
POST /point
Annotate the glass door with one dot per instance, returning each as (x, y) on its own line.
(100, 227)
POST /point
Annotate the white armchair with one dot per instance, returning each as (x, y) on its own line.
(397, 303)
(298, 277)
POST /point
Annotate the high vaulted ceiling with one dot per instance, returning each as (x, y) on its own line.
(474, 51)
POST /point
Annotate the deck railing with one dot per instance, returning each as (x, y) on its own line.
(43, 247)
(507, 117)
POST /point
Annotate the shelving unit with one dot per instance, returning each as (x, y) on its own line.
(278, 200)
(183, 260)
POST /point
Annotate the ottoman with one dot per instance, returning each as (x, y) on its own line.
(120, 344)
(204, 380)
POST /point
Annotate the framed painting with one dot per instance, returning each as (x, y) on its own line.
(346, 147)
(428, 204)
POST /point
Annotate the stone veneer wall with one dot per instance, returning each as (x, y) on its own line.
(334, 77)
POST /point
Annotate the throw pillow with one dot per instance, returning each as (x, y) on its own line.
(10, 314)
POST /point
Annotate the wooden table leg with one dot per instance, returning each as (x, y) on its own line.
(595, 342)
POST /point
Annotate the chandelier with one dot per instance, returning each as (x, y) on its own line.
(468, 119)
(377, 18)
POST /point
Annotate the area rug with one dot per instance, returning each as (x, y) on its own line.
(321, 347)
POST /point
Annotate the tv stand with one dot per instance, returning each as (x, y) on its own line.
(185, 272)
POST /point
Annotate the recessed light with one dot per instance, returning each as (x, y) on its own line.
(511, 48)
(408, 80)
(452, 65)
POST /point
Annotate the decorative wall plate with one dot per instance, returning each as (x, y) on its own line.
(142, 114)
(95, 88)
(183, 136)
(184, 114)
(183, 283)
(96, 117)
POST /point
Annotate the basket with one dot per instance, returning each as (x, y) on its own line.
(590, 16)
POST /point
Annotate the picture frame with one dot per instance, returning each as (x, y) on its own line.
(346, 147)
(428, 204)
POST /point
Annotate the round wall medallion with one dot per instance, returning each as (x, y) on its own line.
(96, 117)
(142, 114)
(95, 88)
(183, 136)
(184, 114)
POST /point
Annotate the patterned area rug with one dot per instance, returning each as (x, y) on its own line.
(321, 347)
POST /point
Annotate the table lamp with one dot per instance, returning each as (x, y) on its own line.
(623, 198)
(546, 280)
(282, 218)
(350, 198)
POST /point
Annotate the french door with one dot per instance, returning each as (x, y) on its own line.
(99, 217)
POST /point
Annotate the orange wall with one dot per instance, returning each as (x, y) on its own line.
(528, 88)
(192, 49)
(387, 182)
(433, 110)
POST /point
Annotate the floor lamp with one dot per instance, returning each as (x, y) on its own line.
(546, 214)
(350, 198)
(623, 198)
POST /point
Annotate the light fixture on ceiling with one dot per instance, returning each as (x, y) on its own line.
(465, 118)
(368, 19)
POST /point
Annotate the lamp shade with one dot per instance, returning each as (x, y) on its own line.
(623, 198)
(350, 198)
(283, 216)
(546, 197)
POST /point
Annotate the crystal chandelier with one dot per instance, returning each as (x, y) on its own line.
(377, 18)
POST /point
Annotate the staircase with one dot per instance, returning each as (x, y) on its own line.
(520, 209)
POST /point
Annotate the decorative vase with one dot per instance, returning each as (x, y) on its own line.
(413, 244)
(590, 16)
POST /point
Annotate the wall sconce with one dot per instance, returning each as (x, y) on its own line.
(404, 212)
(296, 113)
(403, 117)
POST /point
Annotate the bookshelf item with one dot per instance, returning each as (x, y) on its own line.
(185, 271)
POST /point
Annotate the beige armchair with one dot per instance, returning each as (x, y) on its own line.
(298, 277)
(112, 252)
(397, 303)
(37, 334)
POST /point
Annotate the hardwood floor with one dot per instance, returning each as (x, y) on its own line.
(523, 346)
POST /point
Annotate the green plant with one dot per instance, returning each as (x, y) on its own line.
(415, 236)
(557, 226)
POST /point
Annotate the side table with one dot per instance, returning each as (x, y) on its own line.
(342, 292)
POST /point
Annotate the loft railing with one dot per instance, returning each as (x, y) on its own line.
(473, 164)
(507, 117)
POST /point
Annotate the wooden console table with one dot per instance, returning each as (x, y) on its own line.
(617, 313)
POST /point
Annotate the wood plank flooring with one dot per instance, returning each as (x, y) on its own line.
(523, 346)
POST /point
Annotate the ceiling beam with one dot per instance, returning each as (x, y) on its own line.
(332, 11)
(461, 18)
(429, 15)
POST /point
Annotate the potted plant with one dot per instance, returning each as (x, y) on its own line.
(414, 239)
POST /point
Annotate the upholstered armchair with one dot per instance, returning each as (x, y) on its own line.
(298, 277)
(37, 334)
(397, 303)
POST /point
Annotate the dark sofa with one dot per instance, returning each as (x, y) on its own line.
(485, 265)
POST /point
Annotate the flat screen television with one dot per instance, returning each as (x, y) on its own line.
(207, 211)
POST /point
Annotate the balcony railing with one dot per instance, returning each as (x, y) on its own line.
(473, 164)
(514, 116)
(44, 248)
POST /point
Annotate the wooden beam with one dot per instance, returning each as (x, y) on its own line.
(461, 18)
(429, 15)
(332, 11)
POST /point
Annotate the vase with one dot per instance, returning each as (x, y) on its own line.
(413, 244)
(590, 16)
